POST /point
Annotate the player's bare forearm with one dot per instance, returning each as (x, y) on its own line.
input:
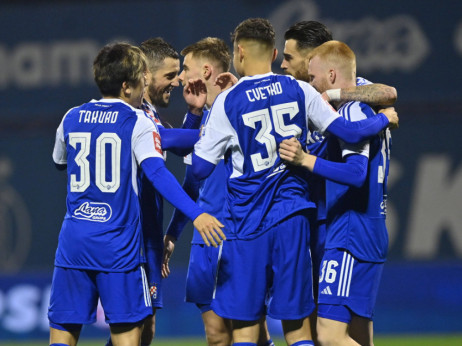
(372, 94)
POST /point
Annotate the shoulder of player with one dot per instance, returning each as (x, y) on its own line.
(355, 110)
(362, 81)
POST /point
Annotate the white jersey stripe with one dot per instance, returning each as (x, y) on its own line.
(341, 275)
(218, 267)
(350, 274)
(147, 298)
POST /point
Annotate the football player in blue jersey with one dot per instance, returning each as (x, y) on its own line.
(265, 265)
(206, 60)
(356, 193)
(103, 144)
(163, 68)
(300, 39)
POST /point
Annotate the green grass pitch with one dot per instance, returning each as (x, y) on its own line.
(421, 340)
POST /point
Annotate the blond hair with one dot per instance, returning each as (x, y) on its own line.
(337, 55)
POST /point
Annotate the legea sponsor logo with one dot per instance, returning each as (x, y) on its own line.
(93, 211)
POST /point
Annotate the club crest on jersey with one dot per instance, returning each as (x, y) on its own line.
(153, 291)
(93, 211)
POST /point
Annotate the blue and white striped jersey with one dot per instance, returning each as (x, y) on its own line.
(317, 145)
(356, 216)
(103, 142)
(246, 124)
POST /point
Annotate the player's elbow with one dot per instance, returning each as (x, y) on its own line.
(358, 180)
(392, 96)
(358, 169)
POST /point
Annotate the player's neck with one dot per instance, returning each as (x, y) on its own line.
(212, 93)
(252, 68)
(147, 98)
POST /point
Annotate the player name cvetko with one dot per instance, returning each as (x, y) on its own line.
(261, 93)
(100, 117)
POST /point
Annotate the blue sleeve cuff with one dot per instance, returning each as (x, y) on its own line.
(192, 121)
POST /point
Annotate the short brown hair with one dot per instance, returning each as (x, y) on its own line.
(211, 48)
(256, 29)
(117, 63)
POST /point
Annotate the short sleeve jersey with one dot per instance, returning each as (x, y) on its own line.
(356, 216)
(246, 124)
(103, 142)
(212, 190)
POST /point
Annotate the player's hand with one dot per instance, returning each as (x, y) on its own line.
(210, 229)
(169, 246)
(225, 80)
(291, 151)
(392, 116)
(195, 95)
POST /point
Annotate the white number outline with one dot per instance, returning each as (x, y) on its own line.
(84, 138)
(265, 137)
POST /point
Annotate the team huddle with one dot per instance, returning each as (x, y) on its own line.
(285, 183)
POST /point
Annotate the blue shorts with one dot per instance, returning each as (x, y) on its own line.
(270, 274)
(201, 277)
(317, 242)
(75, 292)
(154, 273)
(348, 282)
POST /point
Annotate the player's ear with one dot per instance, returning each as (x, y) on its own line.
(207, 70)
(241, 52)
(275, 54)
(126, 89)
(332, 76)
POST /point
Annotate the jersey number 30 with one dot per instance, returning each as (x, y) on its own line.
(81, 159)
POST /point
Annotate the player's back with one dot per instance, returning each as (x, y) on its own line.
(356, 216)
(262, 111)
(101, 228)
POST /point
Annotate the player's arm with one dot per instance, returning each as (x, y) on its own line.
(167, 185)
(192, 120)
(178, 141)
(326, 119)
(201, 168)
(59, 150)
(352, 172)
(372, 94)
(358, 131)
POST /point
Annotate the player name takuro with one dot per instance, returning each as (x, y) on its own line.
(98, 117)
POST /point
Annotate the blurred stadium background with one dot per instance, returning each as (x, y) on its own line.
(46, 52)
